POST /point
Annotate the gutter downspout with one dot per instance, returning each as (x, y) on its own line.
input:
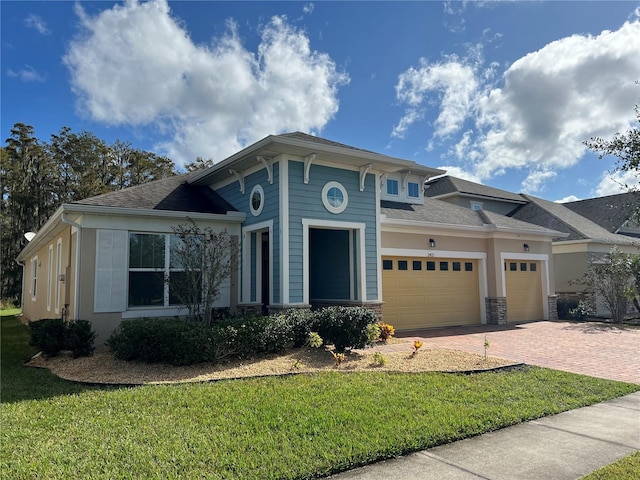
(76, 286)
(22, 292)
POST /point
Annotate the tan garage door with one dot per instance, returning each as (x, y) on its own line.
(524, 290)
(430, 292)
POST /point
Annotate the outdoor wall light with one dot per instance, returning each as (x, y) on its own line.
(432, 243)
(526, 247)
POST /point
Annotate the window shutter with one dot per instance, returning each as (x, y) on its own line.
(111, 271)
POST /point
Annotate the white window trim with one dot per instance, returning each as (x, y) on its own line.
(325, 201)
(257, 211)
(58, 274)
(50, 277)
(337, 225)
(34, 278)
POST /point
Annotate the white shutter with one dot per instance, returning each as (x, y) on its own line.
(111, 271)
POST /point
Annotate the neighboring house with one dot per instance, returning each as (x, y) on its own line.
(590, 227)
(317, 223)
(616, 213)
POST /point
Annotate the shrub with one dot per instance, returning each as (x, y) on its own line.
(565, 305)
(345, 327)
(48, 335)
(162, 340)
(80, 338)
(52, 335)
(580, 312)
(300, 322)
(386, 331)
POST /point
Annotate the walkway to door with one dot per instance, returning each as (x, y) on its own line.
(590, 348)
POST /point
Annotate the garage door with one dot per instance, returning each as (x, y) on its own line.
(524, 290)
(430, 292)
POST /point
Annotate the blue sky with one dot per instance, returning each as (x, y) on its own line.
(500, 93)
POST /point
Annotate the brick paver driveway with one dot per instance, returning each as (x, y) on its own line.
(590, 348)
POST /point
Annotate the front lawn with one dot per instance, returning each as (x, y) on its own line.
(627, 468)
(298, 426)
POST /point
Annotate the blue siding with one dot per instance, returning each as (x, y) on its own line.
(305, 201)
(231, 193)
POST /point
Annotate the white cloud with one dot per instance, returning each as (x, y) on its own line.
(535, 180)
(135, 64)
(536, 118)
(612, 183)
(569, 198)
(26, 74)
(37, 23)
(308, 8)
(456, 171)
(454, 82)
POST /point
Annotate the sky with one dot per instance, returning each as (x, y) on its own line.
(500, 93)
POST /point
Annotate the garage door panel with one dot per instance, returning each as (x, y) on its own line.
(524, 291)
(430, 298)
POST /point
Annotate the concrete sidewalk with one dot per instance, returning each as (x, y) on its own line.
(564, 446)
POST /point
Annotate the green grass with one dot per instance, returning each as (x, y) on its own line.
(627, 468)
(280, 427)
(9, 312)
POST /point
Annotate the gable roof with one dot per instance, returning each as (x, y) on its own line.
(558, 217)
(445, 214)
(448, 185)
(173, 193)
(303, 145)
(610, 212)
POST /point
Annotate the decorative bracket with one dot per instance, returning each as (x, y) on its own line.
(383, 179)
(363, 174)
(405, 178)
(424, 184)
(240, 177)
(308, 160)
(268, 164)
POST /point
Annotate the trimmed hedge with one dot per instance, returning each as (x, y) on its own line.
(183, 342)
(52, 335)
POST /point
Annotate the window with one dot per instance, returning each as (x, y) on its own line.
(533, 267)
(34, 277)
(50, 279)
(417, 265)
(476, 205)
(431, 265)
(58, 274)
(334, 197)
(152, 259)
(523, 267)
(256, 200)
(513, 266)
(444, 266)
(387, 264)
(456, 266)
(402, 265)
(468, 266)
(413, 190)
(392, 187)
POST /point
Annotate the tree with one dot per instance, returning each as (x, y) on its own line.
(199, 164)
(202, 261)
(610, 278)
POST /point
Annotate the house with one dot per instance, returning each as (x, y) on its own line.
(317, 223)
(590, 227)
